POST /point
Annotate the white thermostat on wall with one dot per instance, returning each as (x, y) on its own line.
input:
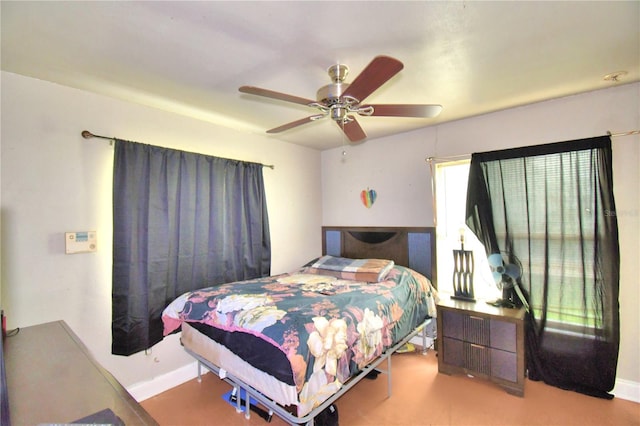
(80, 242)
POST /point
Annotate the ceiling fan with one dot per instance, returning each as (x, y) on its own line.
(342, 101)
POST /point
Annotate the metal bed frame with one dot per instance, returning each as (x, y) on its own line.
(308, 419)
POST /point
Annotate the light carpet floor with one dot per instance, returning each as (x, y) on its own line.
(420, 396)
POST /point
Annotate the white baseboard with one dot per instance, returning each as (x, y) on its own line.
(146, 390)
(417, 340)
(626, 389)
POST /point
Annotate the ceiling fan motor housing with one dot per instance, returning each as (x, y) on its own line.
(331, 93)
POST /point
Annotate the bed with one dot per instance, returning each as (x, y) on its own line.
(296, 342)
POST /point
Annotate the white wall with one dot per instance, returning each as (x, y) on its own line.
(395, 167)
(53, 180)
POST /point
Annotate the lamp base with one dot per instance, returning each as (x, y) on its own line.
(501, 303)
(468, 299)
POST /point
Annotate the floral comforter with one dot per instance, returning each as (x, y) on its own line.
(328, 327)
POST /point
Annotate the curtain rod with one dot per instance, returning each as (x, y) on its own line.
(455, 157)
(88, 135)
(451, 157)
(615, 135)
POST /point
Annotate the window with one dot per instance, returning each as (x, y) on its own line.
(548, 207)
(451, 197)
(564, 229)
(567, 292)
(180, 220)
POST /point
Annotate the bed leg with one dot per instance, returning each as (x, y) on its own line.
(235, 394)
(199, 372)
(389, 376)
(424, 340)
(247, 408)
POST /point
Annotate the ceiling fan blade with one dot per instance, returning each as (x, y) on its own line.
(353, 130)
(296, 123)
(398, 110)
(379, 70)
(275, 95)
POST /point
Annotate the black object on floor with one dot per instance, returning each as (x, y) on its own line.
(372, 375)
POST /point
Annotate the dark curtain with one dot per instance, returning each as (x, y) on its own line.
(550, 209)
(181, 221)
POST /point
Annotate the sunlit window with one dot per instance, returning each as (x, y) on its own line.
(450, 203)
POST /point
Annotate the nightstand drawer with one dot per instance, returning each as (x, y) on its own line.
(452, 351)
(503, 335)
(504, 365)
(474, 358)
(452, 325)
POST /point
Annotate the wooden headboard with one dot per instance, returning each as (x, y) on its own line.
(414, 247)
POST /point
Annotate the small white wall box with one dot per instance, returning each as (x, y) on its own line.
(80, 242)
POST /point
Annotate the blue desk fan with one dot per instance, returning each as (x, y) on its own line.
(505, 276)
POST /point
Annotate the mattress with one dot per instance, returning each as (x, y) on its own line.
(199, 343)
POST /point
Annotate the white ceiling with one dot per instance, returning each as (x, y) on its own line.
(190, 57)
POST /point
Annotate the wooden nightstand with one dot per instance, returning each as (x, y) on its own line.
(481, 340)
